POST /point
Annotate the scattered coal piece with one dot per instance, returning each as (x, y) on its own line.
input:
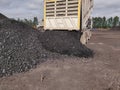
(22, 47)
(65, 42)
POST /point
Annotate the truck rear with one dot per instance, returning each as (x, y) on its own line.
(68, 15)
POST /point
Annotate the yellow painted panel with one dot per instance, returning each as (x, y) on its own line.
(45, 10)
(79, 13)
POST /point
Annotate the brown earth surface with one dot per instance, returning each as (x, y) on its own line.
(72, 73)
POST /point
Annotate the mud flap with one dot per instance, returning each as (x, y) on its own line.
(86, 35)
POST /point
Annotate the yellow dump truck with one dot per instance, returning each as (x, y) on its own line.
(68, 15)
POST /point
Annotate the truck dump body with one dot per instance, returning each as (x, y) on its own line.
(66, 14)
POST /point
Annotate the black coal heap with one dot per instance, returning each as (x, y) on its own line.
(22, 47)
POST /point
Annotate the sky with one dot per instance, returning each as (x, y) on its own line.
(30, 8)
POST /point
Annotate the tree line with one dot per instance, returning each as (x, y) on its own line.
(30, 22)
(98, 22)
(103, 22)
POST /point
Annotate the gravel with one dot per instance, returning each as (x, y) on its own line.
(22, 47)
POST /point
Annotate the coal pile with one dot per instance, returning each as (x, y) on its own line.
(65, 42)
(22, 47)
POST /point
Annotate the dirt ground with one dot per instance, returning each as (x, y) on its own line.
(72, 73)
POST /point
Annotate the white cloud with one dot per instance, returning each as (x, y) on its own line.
(106, 8)
(22, 8)
(31, 8)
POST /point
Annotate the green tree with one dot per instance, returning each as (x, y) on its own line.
(18, 20)
(26, 21)
(116, 21)
(110, 22)
(100, 22)
(97, 22)
(35, 21)
(104, 22)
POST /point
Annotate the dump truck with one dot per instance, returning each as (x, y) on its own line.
(69, 15)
